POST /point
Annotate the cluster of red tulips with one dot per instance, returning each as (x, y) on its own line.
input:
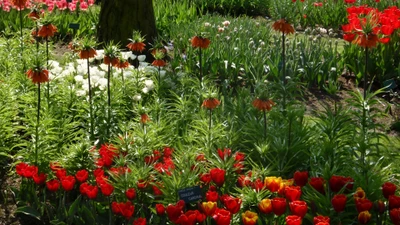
(285, 195)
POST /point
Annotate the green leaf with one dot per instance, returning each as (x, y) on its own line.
(88, 216)
(29, 211)
(74, 207)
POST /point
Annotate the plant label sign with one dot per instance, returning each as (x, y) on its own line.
(190, 194)
(74, 26)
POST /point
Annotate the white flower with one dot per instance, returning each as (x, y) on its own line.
(149, 84)
(141, 58)
(145, 90)
(220, 29)
(104, 67)
(206, 24)
(323, 30)
(128, 55)
(99, 55)
(102, 83)
(233, 65)
(137, 97)
(300, 70)
(78, 78)
(266, 68)
(226, 64)
(226, 23)
(236, 48)
(80, 92)
(333, 69)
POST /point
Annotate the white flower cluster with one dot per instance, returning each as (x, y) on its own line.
(98, 73)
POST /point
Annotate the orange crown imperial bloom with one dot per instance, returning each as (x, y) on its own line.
(249, 218)
(87, 53)
(108, 60)
(200, 42)
(282, 26)
(366, 40)
(144, 118)
(47, 30)
(136, 46)
(38, 76)
(263, 105)
(122, 64)
(34, 15)
(159, 63)
(211, 103)
(19, 3)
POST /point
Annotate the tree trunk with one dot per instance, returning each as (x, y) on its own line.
(118, 18)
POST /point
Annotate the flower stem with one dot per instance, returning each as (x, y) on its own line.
(201, 67)
(365, 72)
(90, 103)
(22, 37)
(47, 66)
(108, 100)
(37, 127)
(265, 124)
(283, 58)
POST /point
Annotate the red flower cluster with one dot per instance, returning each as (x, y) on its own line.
(31, 172)
(163, 163)
(107, 154)
(124, 209)
(367, 26)
(336, 183)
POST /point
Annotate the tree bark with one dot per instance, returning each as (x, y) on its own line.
(118, 18)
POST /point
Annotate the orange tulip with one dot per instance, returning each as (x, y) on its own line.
(265, 206)
(273, 184)
(249, 218)
(209, 208)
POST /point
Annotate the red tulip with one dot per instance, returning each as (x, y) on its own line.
(318, 184)
(30, 171)
(363, 205)
(293, 220)
(61, 173)
(231, 204)
(301, 178)
(394, 202)
(130, 193)
(91, 191)
(339, 202)
(68, 183)
(140, 221)
(292, 193)
(388, 189)
(379, 207)
(212, 196)
(106, 189)
(298, 208)
(160, 209)
(40, 178)
(20, 168)
(321, 219)
(218, 176)
(222, 217)
(205, 178)
(336, 183)
(395, 216)
(82, 175)
(278, 206)
(174, 211)
(224, 154)
(53, 185)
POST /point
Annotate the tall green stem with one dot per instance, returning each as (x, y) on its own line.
(90, 103)
(108, 99)
(283, 72)
(22, 37)
(37, 126)
(265, 124)
(365, 72)
(47, 67)
(201, 67)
